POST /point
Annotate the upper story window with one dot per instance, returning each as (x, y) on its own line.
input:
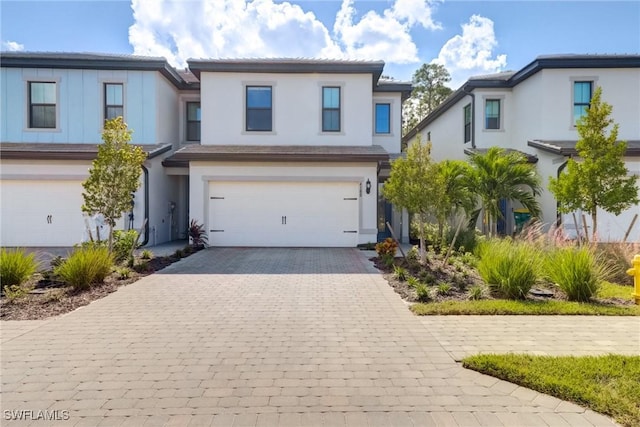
(330, 109)
(492, 114)
(113, 101)
(383, 118)
(259, 108)
(193, 121)
(582, 92)
(42, 105)
(467, 123)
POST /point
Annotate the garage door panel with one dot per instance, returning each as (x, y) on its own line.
(283, 214)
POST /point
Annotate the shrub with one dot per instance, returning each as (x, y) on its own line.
(617, 257)
(422, 291)
(400, 273)
(476, 292)
(413, 282)
(387, 247)
(431, 237)
(123, 273)
(577, 271)
(178, 253)
(427, 277)
(509, 268)
(15, 292)
(16, 266)
(146, 254)
(444, 288)
(85, 267)
(413, 255)
(467, 239)
(198, 234)
(123, 242)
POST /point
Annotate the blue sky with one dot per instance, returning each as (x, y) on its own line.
(468, 37)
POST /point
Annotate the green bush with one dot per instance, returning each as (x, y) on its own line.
(123, 242)
(618, 257)
(146, 254)
(467, 239)
(16, 266)
(577, 271)
(387, 247)
(422, 291)
(431, 237)
(510, 268)
(444, 288)
(85, 267)
(400, 273)
(476, 292)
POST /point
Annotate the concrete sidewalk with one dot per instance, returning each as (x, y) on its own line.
(258, 337)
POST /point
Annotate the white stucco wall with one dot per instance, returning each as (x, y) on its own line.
(203, 172)
(297, 108)
(168, 117)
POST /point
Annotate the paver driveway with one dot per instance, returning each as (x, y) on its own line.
(266, 337)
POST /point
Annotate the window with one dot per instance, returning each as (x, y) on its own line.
(113, 104)
(259, 108)
(383, 118)
(330, 109)
(582, 92)
(492, 114)
(467, 123)
(193, 121)
(42, 105)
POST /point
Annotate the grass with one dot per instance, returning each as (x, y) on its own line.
(613, 290)
(606, 384)
(522, 308)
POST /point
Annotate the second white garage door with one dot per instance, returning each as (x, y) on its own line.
(284, 214)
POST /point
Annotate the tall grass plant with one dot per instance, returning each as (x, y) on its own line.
(85, 266)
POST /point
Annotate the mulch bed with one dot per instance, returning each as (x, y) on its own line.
(51, 298)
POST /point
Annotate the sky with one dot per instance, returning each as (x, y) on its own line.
(467, 37)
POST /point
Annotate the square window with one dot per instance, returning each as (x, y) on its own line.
(42, 105)
(259, 112)
(383, 118)
(330, 109)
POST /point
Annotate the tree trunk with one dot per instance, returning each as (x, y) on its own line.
(594, 223)
(110, 238)
(453, 242)
(423, 254)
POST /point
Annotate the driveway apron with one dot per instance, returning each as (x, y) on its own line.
(256, 337)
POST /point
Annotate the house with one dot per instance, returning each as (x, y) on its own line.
(534, 111)
(53, 108)
(270, 152)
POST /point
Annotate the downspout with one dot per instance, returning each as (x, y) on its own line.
(473, 117)
(558, 215)
(146, 205)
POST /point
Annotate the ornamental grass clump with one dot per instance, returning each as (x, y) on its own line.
(16, 266)
(85, 266)
(510, 268)
(577, 271)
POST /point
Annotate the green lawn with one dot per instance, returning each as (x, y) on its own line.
(606, 384)
(612, 290)
(522, 307)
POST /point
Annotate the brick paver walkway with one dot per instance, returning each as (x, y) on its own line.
(248, 337)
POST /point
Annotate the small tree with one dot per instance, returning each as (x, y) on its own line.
(429, 91)
(600, 179)
(114, 175)
(412, 185)
(498, 174)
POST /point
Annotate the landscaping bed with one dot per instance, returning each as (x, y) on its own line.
(50, 297)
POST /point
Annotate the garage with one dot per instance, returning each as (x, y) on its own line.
(283, 213)
(41, 213)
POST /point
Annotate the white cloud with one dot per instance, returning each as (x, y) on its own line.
(472, 52)
(179, 30)
(12, 46)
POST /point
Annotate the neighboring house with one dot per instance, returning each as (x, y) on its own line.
(291, 151)
(262, 152)
(534, 111)
(53, 109)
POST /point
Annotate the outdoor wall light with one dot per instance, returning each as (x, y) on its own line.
(368, 187)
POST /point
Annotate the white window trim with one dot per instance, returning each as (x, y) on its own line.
(244, 130)
(391, 103)
(182, 110)
(27, 105)
(102, 83)
(572, 81)
(341, 85)
(486, 98)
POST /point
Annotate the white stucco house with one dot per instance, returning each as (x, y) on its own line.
(262, 152)
(534, 111)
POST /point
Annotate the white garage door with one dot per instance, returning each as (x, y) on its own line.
(41, 213)
(283, 214)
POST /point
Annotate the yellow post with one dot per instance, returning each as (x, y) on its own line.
(635, 272)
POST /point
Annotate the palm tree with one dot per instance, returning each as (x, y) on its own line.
(498, 174)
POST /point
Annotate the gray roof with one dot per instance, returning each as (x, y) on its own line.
(276, 153)
(56, 151)
(503, 80)
(568, 148)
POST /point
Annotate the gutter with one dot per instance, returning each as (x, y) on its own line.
(146, 205)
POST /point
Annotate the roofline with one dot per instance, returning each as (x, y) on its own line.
(82, 61)
(321, 66)
(571, 151)
(68, 151)
(404, 88)
(180, 159)
(540, 63)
